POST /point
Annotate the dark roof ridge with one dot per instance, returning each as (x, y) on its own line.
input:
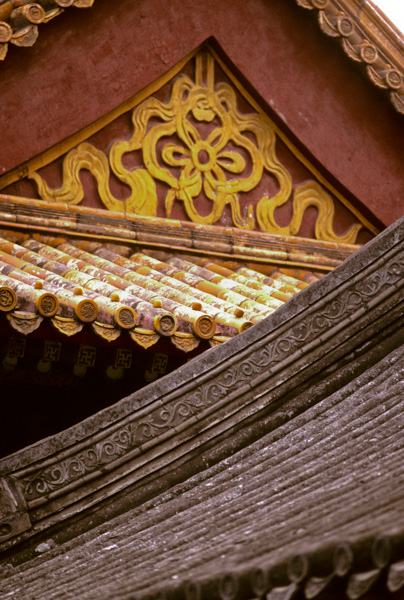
(147, 431)
(348, 557)
(353, 267)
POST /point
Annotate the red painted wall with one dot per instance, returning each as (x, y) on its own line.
(87, 62)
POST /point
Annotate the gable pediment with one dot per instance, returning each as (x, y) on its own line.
(195, 145)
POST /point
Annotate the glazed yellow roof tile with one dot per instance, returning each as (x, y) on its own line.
(76, 283)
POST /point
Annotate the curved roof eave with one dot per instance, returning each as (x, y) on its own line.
(225, 390)
(366, 35)
(19, 20)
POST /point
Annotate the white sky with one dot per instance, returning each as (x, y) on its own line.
(394, 9)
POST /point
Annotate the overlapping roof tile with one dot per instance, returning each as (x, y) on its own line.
(77, 283)
(365, 33)
(19, 20)
(269, 517)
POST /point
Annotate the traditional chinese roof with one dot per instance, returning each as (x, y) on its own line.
(78, 282)
(268, 466)
(366, 35)
(301, 509)
(284, 441)
(97, 304)
(19, 20)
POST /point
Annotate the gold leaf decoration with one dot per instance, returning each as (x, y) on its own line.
(67, 326)
(142, 201)
(198, 143)
(307, 194)
(144, 337)
(106, 332)
(24, 322)
(185, 341)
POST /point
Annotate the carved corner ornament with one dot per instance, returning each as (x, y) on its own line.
(14, 518)
(198, 144)
(185, 341)
(67, 326)
(19, 20)
(24, 322)
(366, 38)
(106, 332)
(144, 337)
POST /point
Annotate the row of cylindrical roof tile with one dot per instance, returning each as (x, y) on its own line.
(89, 283)
(19, 19)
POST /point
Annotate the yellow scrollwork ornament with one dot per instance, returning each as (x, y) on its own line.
(198, 143)
(142, 199)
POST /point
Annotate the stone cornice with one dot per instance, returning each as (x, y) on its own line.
(367, 37)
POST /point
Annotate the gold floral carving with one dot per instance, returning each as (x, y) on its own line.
(144, 337)
(142, 200)
(229, 160)
(67, 326)
(307, 194)
(185, 341)
(106, 332)
(24, 322)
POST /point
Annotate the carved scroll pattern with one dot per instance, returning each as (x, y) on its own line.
(73, 468)
(229, 160)
(132, 435)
